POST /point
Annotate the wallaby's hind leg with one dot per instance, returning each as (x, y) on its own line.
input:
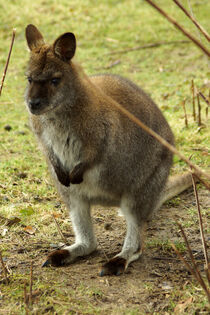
(85, 242)
(136, 209)
(132, 247)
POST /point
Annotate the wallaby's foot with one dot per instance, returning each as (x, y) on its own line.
(115, 266)
(57, 258)
(69, 254)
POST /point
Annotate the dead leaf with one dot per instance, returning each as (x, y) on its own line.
(182, 305)
(29, 229)
(56, 215)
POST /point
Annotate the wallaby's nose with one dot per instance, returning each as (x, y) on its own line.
(34, 103)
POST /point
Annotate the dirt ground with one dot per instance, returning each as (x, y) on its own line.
(153, 285)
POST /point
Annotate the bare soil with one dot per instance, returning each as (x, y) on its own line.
(151, 285)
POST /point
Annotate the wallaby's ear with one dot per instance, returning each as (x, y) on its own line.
(34, 37)
(64, 47)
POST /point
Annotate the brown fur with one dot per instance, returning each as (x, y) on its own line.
(89, 142)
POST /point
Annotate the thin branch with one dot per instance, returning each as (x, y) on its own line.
(198, 171)
(191, 12)
(177, 25)
(204, 98)
(192, 271)
(200, 223)
(193, 100)
(25, 298)
(199, 110)
(201, 29)
(8, 58)
(202, 182)
(185, 113)
(151, 45)
(31, 283)
(193, 262)
(59, 230)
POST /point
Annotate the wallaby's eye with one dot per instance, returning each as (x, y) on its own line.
(55, 81)
(29, 80)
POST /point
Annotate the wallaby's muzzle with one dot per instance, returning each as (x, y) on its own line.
(34, 103)
(37, 105)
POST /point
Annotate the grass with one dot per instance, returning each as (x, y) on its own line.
(101, 27)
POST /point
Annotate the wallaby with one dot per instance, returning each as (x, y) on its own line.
(96, 154)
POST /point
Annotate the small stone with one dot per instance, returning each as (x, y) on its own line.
(7, 127)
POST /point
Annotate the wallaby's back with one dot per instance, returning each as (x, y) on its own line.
(96, 154)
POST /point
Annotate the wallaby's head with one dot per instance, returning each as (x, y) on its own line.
(50, 71)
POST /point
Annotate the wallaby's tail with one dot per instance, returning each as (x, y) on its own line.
(175, 185)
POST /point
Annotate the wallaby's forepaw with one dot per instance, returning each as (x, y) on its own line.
(76, 176)
(57, 258)
(115, 266)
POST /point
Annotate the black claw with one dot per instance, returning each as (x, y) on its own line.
(119, 272)
(46, 263)
(102, 273)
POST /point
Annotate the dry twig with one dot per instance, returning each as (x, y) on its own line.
(199, 110)
(194, 272)
(177, 25)
(201, 29)
(59, 229)
(31, 283)
(185, 113)
(25, 298)
(201, 227)
(193, 100)
(191, 255)
(204, 98)
(8, 58)
(195, 269)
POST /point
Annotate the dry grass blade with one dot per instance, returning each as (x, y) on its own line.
(8, 59)
(177, 25)
(4, 269)
(201, 225)
(59, 230)
(201, 29)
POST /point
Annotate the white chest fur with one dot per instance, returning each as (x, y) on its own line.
(64, 143)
